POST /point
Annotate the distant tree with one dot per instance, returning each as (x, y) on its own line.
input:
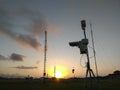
(117, 72)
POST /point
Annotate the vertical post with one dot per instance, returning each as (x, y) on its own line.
(88, 70)
(83, 25)
(54, 71)
(45, 52)
(94, 50)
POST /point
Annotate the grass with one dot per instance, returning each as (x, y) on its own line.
(71, 84)
(111, 84)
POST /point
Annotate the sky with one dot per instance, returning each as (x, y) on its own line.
(22, 26)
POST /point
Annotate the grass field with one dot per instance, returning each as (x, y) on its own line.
(71, 84)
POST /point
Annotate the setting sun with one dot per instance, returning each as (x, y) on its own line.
(60, 72)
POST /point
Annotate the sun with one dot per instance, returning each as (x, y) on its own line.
(58, 74)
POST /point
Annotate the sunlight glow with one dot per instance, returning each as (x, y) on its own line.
(61, 72)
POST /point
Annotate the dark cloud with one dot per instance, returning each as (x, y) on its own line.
(24, 40)
(25, 67)
(22, 23)
(13, 57)
(27, 41)
(17, 57)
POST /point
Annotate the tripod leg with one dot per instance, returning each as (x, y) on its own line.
(97, 82)
(92, 73)
(87, 73)
(84, 85)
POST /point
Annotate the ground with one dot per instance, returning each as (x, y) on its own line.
(69, 84)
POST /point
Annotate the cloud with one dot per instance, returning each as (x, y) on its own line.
(22, 23)
(17, 57)
(53, 28)
(13, 57)
(25, 67)
(37, 62)
(24, 40)
(3, 57)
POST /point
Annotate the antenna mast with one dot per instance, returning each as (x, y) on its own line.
(94, 52)
(45, 52)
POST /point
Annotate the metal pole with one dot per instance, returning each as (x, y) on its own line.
(94, 49)
(45, 52)
(54, 71)
(88, 61)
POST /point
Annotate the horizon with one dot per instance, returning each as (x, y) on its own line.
(22, 26)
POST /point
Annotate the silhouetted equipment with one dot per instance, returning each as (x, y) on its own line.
(74, 43)
(73, 70)
(80, 44)
(94, 50)
(83, 46)
(83, 24)
(45, 52)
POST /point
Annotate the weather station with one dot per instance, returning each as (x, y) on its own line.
(83, 46)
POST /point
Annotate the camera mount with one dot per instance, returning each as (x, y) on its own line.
(83, 46)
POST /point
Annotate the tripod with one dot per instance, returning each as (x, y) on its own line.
(83, 46)
(90, 73)
(91, 85)
(91, 82)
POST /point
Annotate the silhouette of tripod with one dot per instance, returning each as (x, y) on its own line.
(83, 46)
(89, 71)
(91, 75)
(90, 82)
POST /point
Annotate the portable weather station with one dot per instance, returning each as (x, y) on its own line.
(83, 46)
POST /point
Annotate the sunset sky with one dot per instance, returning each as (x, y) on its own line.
(22, 26)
